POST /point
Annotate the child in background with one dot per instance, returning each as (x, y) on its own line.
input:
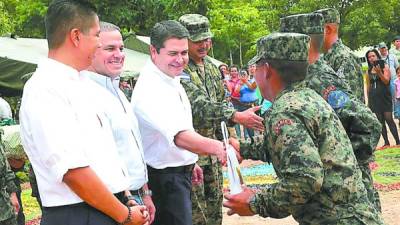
(397, 95)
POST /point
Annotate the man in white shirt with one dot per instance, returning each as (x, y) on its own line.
(5, 109)
(165, 119)
(396, 48)
(105, 70)
(392, 62)
(66, 135)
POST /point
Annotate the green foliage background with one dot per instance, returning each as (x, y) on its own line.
(236, 24)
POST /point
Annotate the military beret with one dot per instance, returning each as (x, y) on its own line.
(330, 15)
(397, 37)
(282, 46)
(197, 25)
(311, 23)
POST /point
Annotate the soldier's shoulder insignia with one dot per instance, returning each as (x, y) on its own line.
(278, 125)
(185, 76)
(327, 91)
(337, 99)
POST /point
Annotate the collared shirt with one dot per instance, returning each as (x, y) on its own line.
(163, 110)
(5, 109)
(124, 125)
(393, 63)
(395, 52)
(62, 128)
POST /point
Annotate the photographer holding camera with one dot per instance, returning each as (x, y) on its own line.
(379, 97)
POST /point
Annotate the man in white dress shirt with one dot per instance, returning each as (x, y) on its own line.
(66, 135)
(105, 70)
(165, 119)
(5, 109)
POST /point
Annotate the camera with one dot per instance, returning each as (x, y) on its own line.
(380, 62)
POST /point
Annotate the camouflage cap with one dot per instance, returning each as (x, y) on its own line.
(282, 46)
(311, 23)
(197, 25)
(330, 15)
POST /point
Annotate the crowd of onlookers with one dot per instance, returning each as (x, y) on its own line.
(383, 86)
(242, 92)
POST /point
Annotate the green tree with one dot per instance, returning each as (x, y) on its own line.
(236, 26)
(6, 24)
(26, 17)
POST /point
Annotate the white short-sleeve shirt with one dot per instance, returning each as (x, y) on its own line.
(62, 128)
(163, 110)
(5, 109)
(124, 126)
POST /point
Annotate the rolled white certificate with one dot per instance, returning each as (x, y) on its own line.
(234, 176)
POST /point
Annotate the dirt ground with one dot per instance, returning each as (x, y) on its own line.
(390, 210)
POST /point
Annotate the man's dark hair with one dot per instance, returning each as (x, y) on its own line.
(317, 41)
(64, 15)
(370, 64)
(289, 71)
(234, 66)
(220, 71)
(165, 30)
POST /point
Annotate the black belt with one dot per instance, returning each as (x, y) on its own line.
(119, 196)
(178, 169)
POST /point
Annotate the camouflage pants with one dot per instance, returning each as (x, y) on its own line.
(11, 221)
(207, 198)
(372, 193)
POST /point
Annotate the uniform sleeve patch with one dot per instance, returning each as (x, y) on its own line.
(337, 99)
(185, 76)
(278, 126)
(327, 91)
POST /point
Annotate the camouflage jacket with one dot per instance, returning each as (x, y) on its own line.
(319, 179)
(345, 63)
(7, 186)
(361, 125)
(207, 97)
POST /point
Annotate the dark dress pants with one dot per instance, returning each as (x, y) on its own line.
(172, 195)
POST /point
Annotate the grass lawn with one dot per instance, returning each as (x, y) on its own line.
(31, 207)
(388, 171)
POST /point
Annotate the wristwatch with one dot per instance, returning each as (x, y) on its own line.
(147, 192)
(253, 205)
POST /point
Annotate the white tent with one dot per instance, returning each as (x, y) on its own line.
(30, 50)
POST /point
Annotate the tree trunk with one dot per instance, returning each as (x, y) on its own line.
(240, 54)
(230, 56)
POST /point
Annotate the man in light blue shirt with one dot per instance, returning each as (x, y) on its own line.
(106, 67)
(392, 62)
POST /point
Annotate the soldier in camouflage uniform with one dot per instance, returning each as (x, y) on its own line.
(361, 125)
(319, 180)
(204, 88)
(338, 55)
(8, 198)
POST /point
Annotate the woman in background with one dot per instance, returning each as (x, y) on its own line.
(379, 97)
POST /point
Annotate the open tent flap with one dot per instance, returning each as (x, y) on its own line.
(11, 76)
